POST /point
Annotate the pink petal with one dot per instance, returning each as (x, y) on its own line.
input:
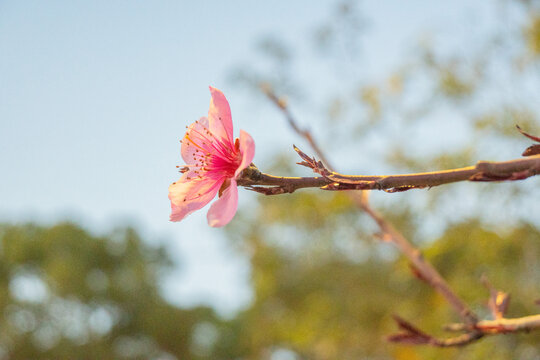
(247, 148)
(193, 140)
(223, 209)
(219, 116)
(196, 192)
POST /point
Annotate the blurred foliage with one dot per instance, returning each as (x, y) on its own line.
(452, 85)
(66, 294)
(71, 295)
(324, 305)
(532, 34)
(504, 120)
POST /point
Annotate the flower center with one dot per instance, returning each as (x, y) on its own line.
(211, 156)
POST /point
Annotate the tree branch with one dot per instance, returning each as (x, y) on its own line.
(474, 329)
(517, 169)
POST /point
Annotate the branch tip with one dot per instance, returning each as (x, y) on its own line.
(532, 137)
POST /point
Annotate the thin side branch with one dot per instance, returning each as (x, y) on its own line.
(305, 133)
(426, 271)
(412, 335)
(501, 325)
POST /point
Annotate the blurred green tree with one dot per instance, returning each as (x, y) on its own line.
(66, 294)
(324, 296)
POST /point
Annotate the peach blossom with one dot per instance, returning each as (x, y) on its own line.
(213, 162)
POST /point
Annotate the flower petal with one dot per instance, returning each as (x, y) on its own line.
(189, 195)
(219, 116)
(247, 148)
(223, 209)
(193, 140)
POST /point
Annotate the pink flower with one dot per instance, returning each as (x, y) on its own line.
(213, 161)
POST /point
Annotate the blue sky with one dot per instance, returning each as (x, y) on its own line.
(95, 95)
